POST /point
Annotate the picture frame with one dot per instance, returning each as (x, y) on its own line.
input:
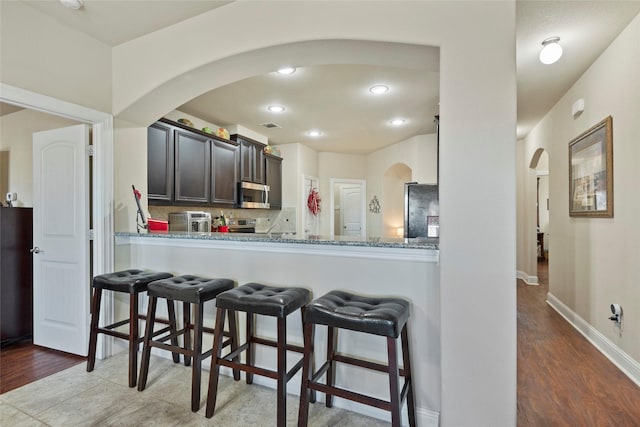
(591, 172)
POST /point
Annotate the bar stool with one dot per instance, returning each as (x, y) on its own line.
(132, 282)
(371, 315)
(255, 298)
(189, 290)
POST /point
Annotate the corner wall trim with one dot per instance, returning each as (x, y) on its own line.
(529, 280)
(615, 354)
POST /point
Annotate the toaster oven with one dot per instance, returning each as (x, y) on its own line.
(191, 221)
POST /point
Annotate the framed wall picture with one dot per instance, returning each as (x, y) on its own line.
(591, 172)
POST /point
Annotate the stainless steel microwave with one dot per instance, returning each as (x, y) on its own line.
(252, 195)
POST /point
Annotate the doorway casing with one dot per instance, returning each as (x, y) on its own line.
(102, 127)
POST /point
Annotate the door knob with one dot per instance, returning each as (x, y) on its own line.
(35, 250)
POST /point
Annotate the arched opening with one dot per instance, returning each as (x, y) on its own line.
(393, 198)
(540, 164)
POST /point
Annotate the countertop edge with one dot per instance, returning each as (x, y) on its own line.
(388, 251)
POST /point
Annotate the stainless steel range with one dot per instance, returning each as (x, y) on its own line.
(241, 225)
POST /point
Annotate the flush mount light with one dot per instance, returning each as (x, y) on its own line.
(397, 122)
(72, 4)
(275, 108)
(551, 50)
(314, 133)
(379, 89)
(286, 70)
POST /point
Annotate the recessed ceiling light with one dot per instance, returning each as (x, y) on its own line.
(397, 122)
(379, 89)
(314, 133)
(275, 108)
(286, 70)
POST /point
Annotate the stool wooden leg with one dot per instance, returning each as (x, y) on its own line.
(134, 338)
(332, 340)
(93, 336)
(233, 331)
(186, 321)
(146, 348)
(251, 347)
(394, 377)
(282, 372)
(196, 370)
(218, 337)
(307, 373)
(406, 360)
(171, 309)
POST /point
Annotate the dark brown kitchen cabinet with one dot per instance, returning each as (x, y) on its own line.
(273, 174)
(186, 166)
(16, 273)
(224, 173)
(192, 167)
(251, 159)
(160, 163)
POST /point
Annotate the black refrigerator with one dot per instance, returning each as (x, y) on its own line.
(421, 210)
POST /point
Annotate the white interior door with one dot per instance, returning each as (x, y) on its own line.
(351, 210)
(61, 239)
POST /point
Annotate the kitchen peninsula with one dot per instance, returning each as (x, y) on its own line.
(370, 266)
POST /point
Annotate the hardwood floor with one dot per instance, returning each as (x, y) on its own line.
(23, 363)
(562, 379)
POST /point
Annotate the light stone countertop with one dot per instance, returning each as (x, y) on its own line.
(381, 242)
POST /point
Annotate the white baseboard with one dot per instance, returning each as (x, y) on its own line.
(629, 366)
(529, 280)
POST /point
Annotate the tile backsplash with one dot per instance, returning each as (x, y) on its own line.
(276, 221)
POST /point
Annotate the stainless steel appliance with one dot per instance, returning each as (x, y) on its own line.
(241, 225)
(421, 210)
(252, 195)
(192, 221)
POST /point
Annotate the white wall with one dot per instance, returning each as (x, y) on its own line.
(333, 165)
(419, 153)
(593, 261)
(16, 137)
(40, 55)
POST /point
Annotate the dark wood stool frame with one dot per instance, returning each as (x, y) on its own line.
(133, 336)
(231, 360)
(311, 383)
(189, 351)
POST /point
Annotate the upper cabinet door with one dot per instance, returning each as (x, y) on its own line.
(192, 167)
(224, 176)
(251, 159)
(273, 174)
(247, 153)
(160, 163)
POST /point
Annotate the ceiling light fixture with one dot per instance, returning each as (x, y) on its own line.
(551, 50)
(379, 89)
(397, 122)
(286, 70)
(314, 133)
(275, 108)
(72, 4)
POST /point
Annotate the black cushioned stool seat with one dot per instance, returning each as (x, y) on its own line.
(132, 282)
(372, 315)
(189, 290)
(255, 298)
